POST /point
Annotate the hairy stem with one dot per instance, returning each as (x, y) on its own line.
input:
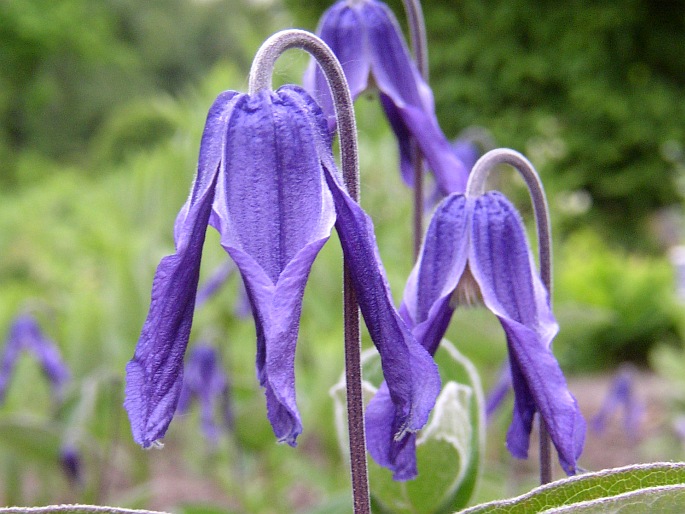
(260, 78)
(476, 186)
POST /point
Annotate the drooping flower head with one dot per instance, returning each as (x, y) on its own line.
(622, 394)
(268, 183)
(368, 42)
(206, 381)
(476, 249)
(25, 335)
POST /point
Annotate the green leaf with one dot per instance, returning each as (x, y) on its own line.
(655, 487)
(448, 448)
(31, 439)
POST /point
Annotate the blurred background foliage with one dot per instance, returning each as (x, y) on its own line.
(101, 110)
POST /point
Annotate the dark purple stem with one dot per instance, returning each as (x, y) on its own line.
(260, 78)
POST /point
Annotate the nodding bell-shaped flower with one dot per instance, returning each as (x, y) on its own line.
(205, 380)
(368, 42)
(267, 182)
(476, 250)
(25, 335)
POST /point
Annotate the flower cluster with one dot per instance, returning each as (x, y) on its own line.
(267, 182)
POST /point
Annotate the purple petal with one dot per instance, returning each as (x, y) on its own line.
(499, 391)
(409, 371)
(211, 149)
(398, 79)
(427, 310)
(437, 272)
(403, 136)
(155, 374)
(381, 427)
(274, 213)
(342, 29)
(391, 64)
(450, 173)
(502, 265)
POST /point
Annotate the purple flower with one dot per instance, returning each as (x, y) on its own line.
(217, 279)
(476, 249)
(204, 379)
(70, 460)
(366, 38)
(621, 395)
(499, 391)
(267, 181)
(26, 335)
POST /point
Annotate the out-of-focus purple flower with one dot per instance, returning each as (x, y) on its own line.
(267, 181)
(70, 460)
(26, 336)
(621, 395)
(366, 38)
(217, 279)
(214, 282)
(476, 249)
(205, 380)
(499, 391)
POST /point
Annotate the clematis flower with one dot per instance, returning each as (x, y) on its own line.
(267, 182)
(476, 249)
(25, 335)
(367, 39)
(204, 379)
(621, 395)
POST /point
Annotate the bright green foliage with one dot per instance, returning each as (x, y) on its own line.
(67, 66)
(612, 307)
(639, 488)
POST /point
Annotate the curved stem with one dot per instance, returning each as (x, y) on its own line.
(260, 79)
(417, 33)
(476, 186)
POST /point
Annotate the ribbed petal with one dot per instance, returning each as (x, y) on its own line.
(437, 272)
(274, 213)
(211, 153)
(342, 28)
(501, 263)
(409, 371)
(155, 374)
